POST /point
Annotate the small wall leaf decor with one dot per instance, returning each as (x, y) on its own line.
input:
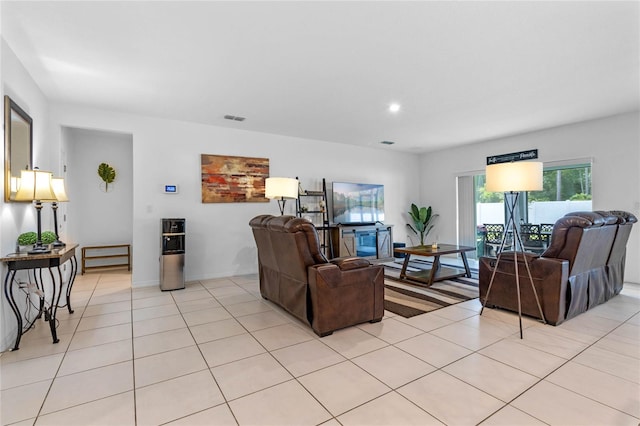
(107, 174)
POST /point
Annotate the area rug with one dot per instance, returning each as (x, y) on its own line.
(407, 299)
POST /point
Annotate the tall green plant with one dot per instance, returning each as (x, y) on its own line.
(422, 221)
(107, 174)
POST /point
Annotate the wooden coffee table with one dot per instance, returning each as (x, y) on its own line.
(437, 272)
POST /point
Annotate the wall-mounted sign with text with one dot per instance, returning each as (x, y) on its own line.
(514, 156)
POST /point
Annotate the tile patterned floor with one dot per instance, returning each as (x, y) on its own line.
(217, 353)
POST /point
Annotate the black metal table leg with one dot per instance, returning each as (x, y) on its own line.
(8, 291)
(72, 278)
(54, 304)
(40, 286)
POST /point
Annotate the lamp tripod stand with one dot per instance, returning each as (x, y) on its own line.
(518, 241)
(281, 203)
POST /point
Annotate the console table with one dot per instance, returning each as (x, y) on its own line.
(38, 262)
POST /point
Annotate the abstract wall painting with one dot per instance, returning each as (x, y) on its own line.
(227, 179)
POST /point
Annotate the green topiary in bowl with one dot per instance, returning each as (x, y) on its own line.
(48, 237)
(29, 238)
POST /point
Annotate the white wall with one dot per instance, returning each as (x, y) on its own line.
(96, 217)
(219, 240)
(16, 218)
(550, 211)
(612, 143)
(19, 86)
(538, 211)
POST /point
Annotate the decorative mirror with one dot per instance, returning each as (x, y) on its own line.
(18, 144)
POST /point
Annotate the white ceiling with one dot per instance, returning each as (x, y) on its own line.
(463, 71)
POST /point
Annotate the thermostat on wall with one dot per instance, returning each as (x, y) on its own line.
(171, 189)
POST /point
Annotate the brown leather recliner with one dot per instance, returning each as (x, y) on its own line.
(327, 295)
(583, 267)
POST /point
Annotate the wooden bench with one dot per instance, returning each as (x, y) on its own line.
(114, 251)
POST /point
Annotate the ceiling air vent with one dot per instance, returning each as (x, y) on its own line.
(234, 117)
(387, 142)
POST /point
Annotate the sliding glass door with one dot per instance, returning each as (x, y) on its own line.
(566, 188)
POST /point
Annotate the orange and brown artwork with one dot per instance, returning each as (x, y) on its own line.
(227, 179)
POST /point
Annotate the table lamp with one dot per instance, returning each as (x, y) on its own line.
(35, 185)
(513, 178)
(281, 189)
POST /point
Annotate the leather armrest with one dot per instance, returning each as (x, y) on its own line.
(343, 298)
(510, 255)
(349, 263)
(550, 278)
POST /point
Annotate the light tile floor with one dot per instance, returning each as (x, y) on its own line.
(217, 353)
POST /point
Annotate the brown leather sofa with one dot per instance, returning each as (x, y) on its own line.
(582, 267)
(327, 295)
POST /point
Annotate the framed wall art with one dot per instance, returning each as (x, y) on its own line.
(227, 179)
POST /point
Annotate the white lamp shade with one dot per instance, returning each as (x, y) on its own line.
(57, 184)
(34, 185)
(279, 187)
(516, 176)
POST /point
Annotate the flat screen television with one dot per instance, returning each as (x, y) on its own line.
(357, 203)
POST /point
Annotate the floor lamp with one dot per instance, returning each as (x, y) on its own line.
(513, 178)
(35, 185)
(281, 189)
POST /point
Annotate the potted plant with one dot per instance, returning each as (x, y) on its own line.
(422, 221)
(107, 174)
(30, 238)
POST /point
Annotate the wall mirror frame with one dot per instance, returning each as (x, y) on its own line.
(18, 145)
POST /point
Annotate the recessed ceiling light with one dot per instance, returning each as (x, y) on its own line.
(394, 107)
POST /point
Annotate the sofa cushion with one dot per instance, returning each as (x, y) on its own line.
(349, 263)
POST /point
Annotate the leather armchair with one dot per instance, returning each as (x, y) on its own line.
(294, 274)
